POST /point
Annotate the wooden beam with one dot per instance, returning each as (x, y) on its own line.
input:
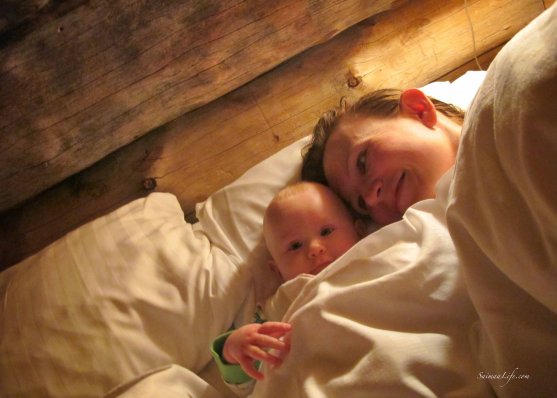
(93, 80)
(19, 17)
(204, 150)
(15, 13)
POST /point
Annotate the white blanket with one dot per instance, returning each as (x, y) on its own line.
(503, 213)
(390, 318)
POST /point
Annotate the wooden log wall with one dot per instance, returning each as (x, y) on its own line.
(204, 149)
(96, 78)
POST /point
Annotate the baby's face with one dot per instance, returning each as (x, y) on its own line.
(308, 231)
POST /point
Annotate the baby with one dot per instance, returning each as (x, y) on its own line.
(306, 227)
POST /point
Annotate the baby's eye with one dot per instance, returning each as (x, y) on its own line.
(294, 246)
(361, 162)
(327, 231)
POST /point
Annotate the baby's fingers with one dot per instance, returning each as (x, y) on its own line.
(268, 342)
(247, 364)
(257, 353)
(275, 328)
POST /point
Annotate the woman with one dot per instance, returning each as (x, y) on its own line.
(385, 152)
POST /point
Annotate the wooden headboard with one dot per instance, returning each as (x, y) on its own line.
(102, 102)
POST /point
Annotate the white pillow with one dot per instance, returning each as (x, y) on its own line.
(131, 291)
(233, 216)
(460, 92)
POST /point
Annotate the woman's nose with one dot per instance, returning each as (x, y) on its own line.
(316, 248)
(373, 194)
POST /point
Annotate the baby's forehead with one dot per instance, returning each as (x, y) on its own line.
(316, 199)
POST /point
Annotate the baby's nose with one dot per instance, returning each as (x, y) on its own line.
(316, 248)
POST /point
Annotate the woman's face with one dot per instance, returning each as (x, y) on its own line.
(382, 166)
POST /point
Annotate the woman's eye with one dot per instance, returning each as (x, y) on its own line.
(361, 162)
(294, 246)
(327, 231)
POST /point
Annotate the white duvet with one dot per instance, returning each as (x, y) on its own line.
(389, 319)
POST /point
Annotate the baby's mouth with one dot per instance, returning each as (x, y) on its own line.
(320, 267)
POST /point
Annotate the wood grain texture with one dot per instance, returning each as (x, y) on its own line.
(208, 148)
(14, 13)
(20, 17)
(97, 78)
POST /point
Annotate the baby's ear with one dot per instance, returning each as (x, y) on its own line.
(414, 102)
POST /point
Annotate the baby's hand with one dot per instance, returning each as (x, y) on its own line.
(252, 342)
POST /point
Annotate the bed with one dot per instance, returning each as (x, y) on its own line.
(128, 304)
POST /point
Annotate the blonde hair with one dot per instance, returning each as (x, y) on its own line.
(380, 103)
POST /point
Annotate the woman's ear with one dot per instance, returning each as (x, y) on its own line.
(414, 102)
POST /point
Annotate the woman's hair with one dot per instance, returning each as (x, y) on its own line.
(380, 103)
